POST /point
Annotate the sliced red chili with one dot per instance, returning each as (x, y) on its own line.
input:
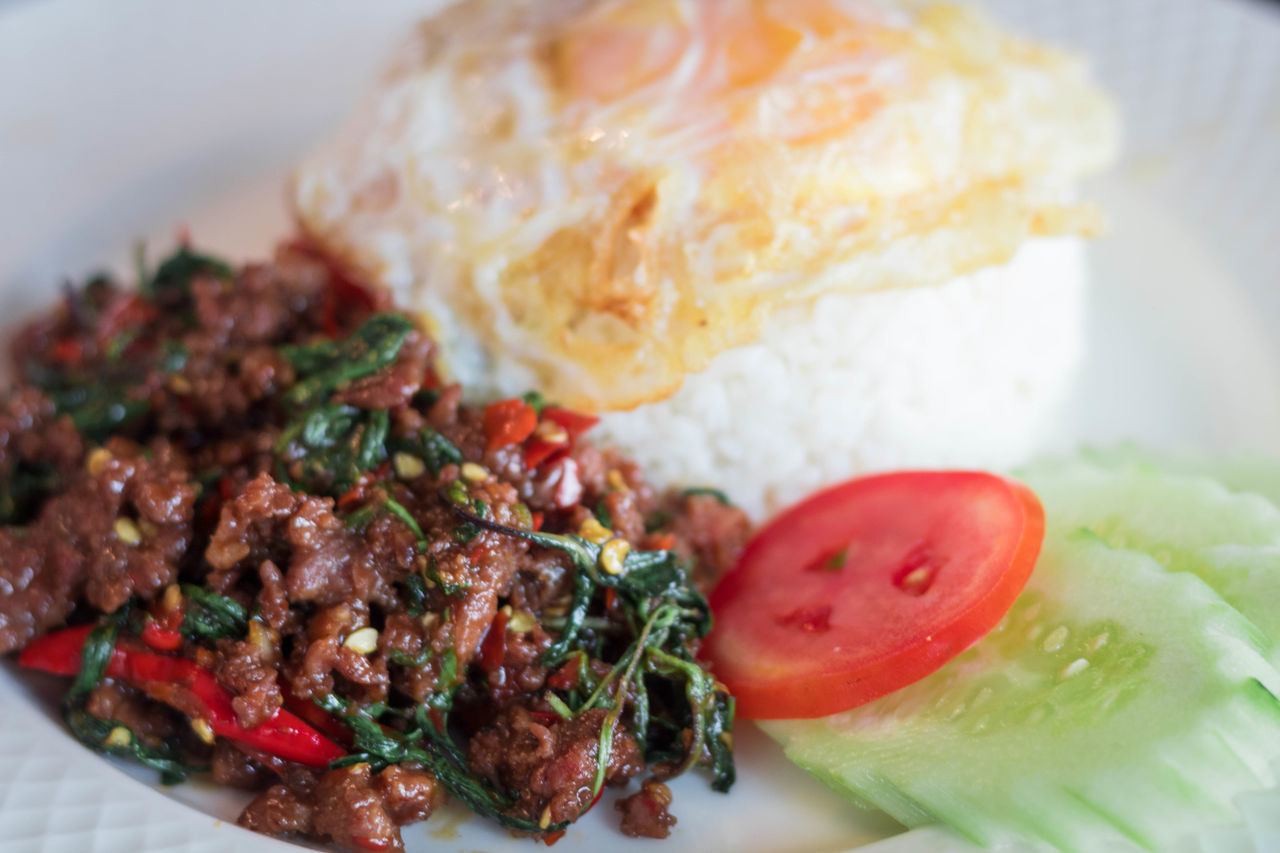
(57, 653)
(566, 677)
(574, 423)
(67, 351)
(508, 422)
(660, 542)
(538, 450)
(315, 715)
(283, 734)
(161, 638)
(493, 649)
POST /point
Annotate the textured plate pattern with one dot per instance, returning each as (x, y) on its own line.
(80, 82)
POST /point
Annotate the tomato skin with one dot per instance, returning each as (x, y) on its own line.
(869, 586)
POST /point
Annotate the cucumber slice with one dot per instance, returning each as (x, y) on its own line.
(1241, 472)
(1116, 702)
(1231, 540)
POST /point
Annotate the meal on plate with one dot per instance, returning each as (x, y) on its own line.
(360, 556)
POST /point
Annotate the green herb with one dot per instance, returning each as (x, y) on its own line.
(172, 279)
(416, 592)
(322, 367)
(432, 570)
(403, 659)
(603, 515)
(432, 448)
(657, 521)
(466, 532)
(535, 400)
(210, 616)
(557, 704)
(173, 356)
(380, 747)
(97, 406)
(450, 588)
(24, 491)
(327, 449)
(665, 615)
(706, 490)
(359, 520)
(115, 348)
(97, 733)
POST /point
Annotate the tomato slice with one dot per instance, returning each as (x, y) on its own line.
(869, 586)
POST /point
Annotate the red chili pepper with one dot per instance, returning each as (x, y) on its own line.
(574, 423)
(437, 719)
(660, 542)
(493, 648)
(315, 715)
(358, 492)
(58, 653)
(282, 734)
(343, 297)
(552, 837)
(539, 450)
(125, 314)
(537, 522)
(67, 351)
(609, 598)
(566, 677)
(508, 422)
(377, 845)
(161, 638)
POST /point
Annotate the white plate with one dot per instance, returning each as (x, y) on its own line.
(127, 119)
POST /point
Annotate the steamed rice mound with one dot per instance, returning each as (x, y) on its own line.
(969, 374)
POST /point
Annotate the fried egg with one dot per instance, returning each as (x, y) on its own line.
(598, 197)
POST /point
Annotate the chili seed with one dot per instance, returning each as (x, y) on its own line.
(172, 598)
(408, 466)
(521, 622)
(593, 531)
(362, 640)
(474, 473)
(613, 554)
(127, 531)
(203, 730)
(96, 462)
(551, 432)
(262, 638)
(118, 737)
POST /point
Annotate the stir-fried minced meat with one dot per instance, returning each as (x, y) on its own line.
(331, 578)
(644, 813)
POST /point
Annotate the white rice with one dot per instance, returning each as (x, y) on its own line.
(963, 375)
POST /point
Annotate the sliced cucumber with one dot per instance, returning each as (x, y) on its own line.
(1230, 539)
(1115, 702)
(1242, 472)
